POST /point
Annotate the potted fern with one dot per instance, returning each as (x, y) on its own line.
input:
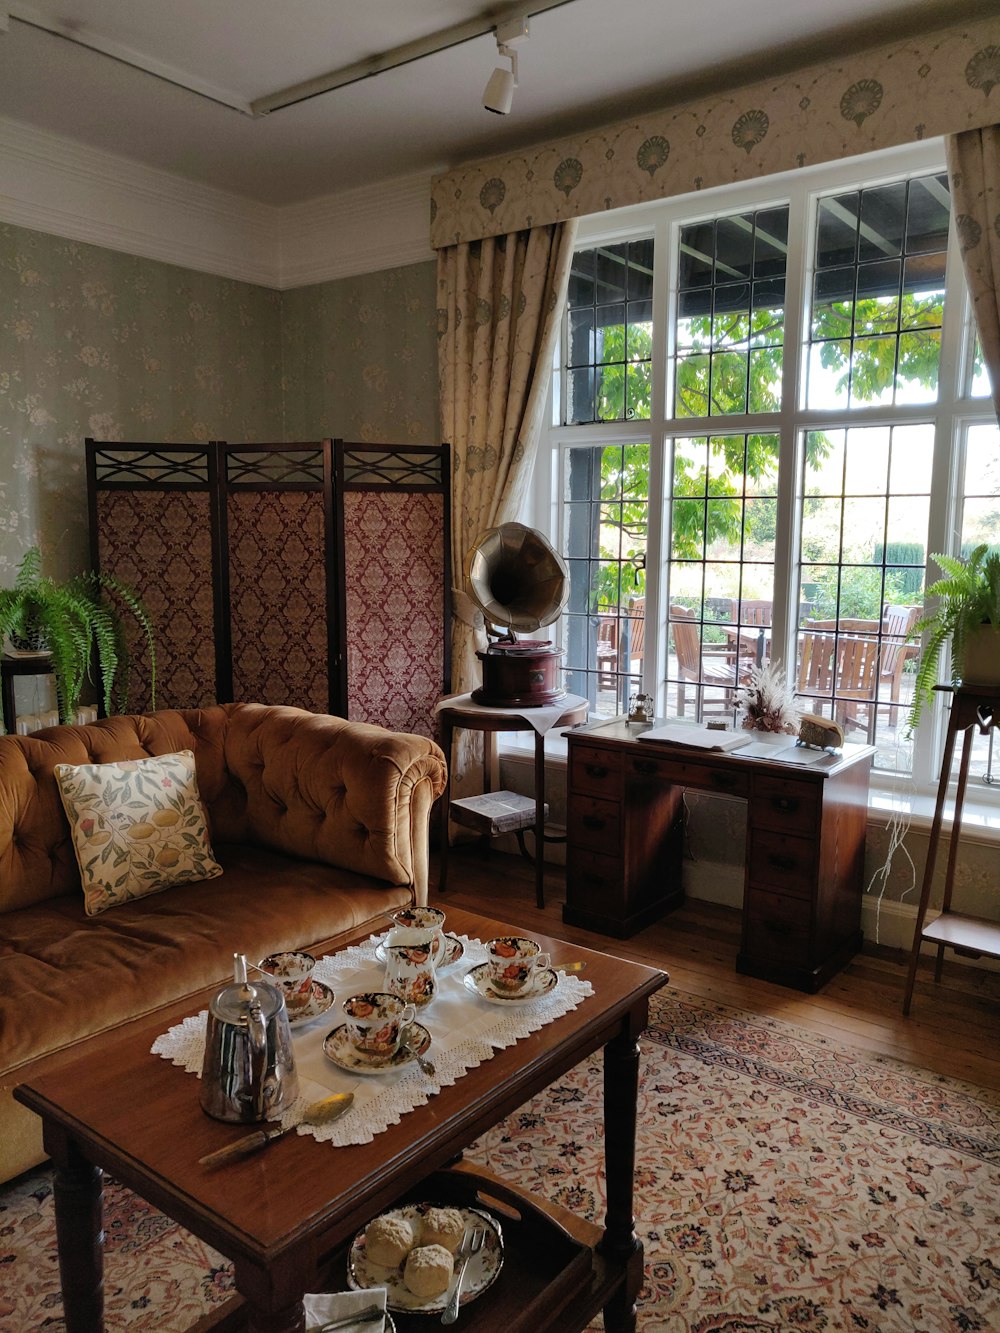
(71, 623)
(967, 614)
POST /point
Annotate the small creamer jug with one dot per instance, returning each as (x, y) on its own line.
(248, 1073)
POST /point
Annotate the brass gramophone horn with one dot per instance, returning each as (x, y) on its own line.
(520, 582)
(517, 578)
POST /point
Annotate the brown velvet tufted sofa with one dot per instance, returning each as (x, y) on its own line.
(320, 825)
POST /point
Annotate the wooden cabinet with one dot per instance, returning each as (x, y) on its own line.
(804, 853)
(624, 842)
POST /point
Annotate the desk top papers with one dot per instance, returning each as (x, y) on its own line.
(697, 738)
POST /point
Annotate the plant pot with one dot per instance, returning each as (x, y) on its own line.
(981, 656)
(15, 646)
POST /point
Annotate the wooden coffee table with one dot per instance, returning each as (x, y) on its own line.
(286, 1216)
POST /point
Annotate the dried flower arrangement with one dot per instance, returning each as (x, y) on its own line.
(766, 703)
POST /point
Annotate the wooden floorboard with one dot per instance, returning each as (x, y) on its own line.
(953, 1028)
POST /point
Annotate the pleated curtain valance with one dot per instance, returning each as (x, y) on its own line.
(916, 88)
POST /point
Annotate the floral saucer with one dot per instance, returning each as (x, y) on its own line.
(454, 949)
(478, 981)
(303, 1007)
(483, 1270)
(339, 1048)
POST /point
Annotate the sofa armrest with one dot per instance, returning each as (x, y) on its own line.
(325, 789)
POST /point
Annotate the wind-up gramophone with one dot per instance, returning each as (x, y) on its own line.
(519, 582)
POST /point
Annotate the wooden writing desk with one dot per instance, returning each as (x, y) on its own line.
(804, 857)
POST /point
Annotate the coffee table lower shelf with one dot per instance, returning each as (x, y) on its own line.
(553, 1277)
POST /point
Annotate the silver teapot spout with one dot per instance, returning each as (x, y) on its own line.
(248, 1073)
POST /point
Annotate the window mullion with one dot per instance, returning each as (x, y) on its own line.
(654, 662)
(786, 578)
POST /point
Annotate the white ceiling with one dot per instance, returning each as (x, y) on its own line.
(585, 63)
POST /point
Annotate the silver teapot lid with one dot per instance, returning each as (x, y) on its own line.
(232, 1003)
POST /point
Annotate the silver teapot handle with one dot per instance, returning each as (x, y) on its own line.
(257, 1035)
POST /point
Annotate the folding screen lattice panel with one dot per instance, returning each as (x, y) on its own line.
(151, 527)
(307, 574)
(395, 562)
(275, 561)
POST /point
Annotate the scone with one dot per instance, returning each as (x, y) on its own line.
(442, 1226)
(428, 1271)
(388, 1240)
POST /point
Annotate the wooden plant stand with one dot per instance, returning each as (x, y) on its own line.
(973, 707)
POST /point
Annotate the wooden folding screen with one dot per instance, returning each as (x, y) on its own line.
(308, 574)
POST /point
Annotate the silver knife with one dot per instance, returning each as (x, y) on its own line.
(366, 1316)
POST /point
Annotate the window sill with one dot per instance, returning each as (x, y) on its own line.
(980, 815)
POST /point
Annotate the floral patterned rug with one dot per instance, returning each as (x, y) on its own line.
(784, 1182)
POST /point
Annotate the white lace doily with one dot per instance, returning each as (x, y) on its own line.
(464, 1029)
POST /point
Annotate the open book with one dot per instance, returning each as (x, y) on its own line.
(697, 738)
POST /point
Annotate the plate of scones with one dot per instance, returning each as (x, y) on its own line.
(410, 1250)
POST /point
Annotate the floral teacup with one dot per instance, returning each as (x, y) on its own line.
(377, 1022)
(291, 971)
(514, 962)
(429, 921)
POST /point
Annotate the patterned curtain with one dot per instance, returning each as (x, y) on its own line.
(974, 173)
(500, 301)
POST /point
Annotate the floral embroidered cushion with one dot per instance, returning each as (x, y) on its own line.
(138, 826)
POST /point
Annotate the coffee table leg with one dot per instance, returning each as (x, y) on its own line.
(290, 1320)
(80, 1235)
(621, 1091)
(263, 1289)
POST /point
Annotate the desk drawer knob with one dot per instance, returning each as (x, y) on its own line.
(644, 765)
(593, 821)
(782, 862)
(787, 803)
(595, 770)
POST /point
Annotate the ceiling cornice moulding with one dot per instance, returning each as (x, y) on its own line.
(357, 231)
(63, 188)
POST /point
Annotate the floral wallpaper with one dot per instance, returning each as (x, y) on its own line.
(95, 342)
(360, 358)
(937, 83)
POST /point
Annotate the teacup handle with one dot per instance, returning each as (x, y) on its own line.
(540, 962)
(407, 1016)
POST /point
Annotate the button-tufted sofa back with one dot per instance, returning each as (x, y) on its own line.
(317, 787)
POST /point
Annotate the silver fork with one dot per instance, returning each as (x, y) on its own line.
(472, 1243)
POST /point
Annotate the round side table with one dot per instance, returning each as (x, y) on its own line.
(463, 712)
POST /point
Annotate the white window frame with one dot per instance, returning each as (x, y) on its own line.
(801, 191)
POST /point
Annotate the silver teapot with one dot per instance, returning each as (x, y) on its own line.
(248, 1073)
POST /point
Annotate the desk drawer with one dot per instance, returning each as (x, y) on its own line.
(779, 861)
(594, 882)
(686, 773)
(792, 807)
(595, 771)
(594, 824)
(775, 928)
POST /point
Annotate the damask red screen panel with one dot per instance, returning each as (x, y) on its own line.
(278, 597)
(394, 563)
(160, 542)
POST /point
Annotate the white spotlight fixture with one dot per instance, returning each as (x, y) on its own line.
(499, 92)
